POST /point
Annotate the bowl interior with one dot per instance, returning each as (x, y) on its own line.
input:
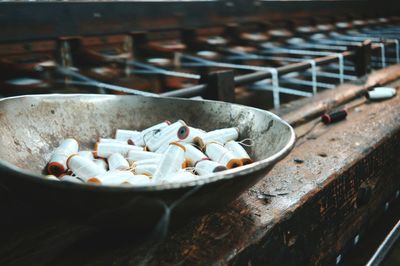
(32, 126)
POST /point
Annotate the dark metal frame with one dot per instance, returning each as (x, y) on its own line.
(56, 20)
(28, 21)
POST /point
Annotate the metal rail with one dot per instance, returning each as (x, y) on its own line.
(385, 246)
(329, 52)
(258, 75)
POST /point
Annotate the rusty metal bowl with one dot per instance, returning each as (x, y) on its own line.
(32, 126)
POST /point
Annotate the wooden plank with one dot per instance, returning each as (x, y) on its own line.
(314, 212)
(300, 111)
(304, 212)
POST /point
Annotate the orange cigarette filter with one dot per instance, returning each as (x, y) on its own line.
(83, 167)
(171, 162)
(238, 151)
(220, 154)
(220, 135)
(58, 161)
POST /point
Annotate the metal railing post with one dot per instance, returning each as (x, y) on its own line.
(220, 86)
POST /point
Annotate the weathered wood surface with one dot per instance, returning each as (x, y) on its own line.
(304, 212)
(301, 111)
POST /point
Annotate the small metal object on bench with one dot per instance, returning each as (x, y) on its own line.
(334, 116)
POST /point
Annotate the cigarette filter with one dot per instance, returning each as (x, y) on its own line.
(334, 117)
(51, 177)
(156, 127)
(117, 162)
(148, 132)
(140, 181)
(104, 140)
(86, 154)
(101, 163)
(58, 161)
(207, 167)
(104, 150)
(70, 178)
(172, 161)
(194, 133)
(137, 141)
(193, 155)
(144, 169)
(124, 135)
(218, 153)
(381, 93)
(83, 167)
(155, 161)
(162, 149)
(220, 135)
(174, 132)
(238, 151)
(135, 155)
(111, 178)
(181, 176)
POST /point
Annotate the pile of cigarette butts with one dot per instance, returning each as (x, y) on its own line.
(164, 153)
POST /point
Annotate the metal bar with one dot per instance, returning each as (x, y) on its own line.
(243, 79)
(314, 75)
(266, 87)
(259, 75)
(383, 58)
(333, 75)
(345, 67)
(275, 50)
(339, 42)
(385, 247)
(186, 92)
(90, 82)
(390, 60)
(356, 38)
(307, 83)
(321, 46)
(158, 70)
(225, 65)
(341, 69)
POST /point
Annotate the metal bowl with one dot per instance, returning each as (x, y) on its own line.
(32, 126)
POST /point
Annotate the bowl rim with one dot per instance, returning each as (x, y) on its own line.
(224, 175)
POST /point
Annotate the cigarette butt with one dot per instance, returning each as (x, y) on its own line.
(171, 162)
(334, 117)
(238, 151)
(70, 178)
(246, 161)
(117, 162)
(111, 178)
(83, 167)
(93, 180)
(51, 177)
(181, 176)
(234, 163)
(186, 163)
(86, 154)
(381, 93)
(206, 167)
(220, 136)
(55, 168)
(58, 161)
(101, 163)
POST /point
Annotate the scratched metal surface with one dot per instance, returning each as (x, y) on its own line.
(32, 126)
